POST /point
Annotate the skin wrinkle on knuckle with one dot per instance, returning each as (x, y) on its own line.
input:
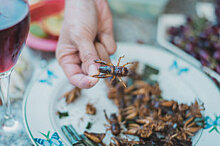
(66, 61)
(62, 53)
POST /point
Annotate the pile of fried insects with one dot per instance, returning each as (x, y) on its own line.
(144, 114)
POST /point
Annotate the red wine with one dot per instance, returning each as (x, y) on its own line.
(14, 27)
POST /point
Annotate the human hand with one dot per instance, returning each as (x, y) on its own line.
(85, 21)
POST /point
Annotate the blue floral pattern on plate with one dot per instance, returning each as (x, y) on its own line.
(179, 69)
(50, 77)
(54, 140)
(213, 124)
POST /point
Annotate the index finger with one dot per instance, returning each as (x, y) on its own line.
(102, 52)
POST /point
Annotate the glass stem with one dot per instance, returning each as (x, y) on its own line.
(4, 93)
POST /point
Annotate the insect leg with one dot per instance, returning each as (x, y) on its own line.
(103, 62)
(106, 117)
(102, 76)
(123, 83)
(128, 63)
(113, 78)
(107, 126)
(119, 60)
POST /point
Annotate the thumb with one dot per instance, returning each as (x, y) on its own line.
(88, 54)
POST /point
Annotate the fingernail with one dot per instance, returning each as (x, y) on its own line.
(93, 70)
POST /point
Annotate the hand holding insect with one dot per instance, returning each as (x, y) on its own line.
(108, 70)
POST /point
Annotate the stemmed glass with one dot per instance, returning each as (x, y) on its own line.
(14, 27)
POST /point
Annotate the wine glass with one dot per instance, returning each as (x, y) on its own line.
(14, 27)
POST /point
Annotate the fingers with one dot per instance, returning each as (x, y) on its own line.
(102, 53)
(108, 41)
(76, 77)
(82, 81)
(70, 64)
(68, 56)
(88, 54)
(105, 29)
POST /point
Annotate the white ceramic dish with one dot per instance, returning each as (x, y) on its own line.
(178, 80)
(166, 21)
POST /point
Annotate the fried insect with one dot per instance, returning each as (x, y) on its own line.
(72, 95)
(90, 109)
(188, 129)
(95, 137)
(114, 124)
(143, 113)
(108, 70)
(131, 112)
(116, 141)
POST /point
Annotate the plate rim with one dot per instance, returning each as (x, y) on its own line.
(26, 94)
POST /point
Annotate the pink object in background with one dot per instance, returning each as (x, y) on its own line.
(37, 12)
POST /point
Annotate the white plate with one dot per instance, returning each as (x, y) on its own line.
(178, 80)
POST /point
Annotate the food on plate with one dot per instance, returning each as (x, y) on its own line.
(62, 114)
(95, 137)
(199, 38)
(144, 117)
(114, 124)
(108, 70)
(72, 95)
(89, 125)
(90, 109)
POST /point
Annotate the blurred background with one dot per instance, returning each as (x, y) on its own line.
(135, 21)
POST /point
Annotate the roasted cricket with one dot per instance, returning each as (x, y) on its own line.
(154, 120)
(108, 70)
(114, 124)
(72, 95)
(95, 137)
(143, 113)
